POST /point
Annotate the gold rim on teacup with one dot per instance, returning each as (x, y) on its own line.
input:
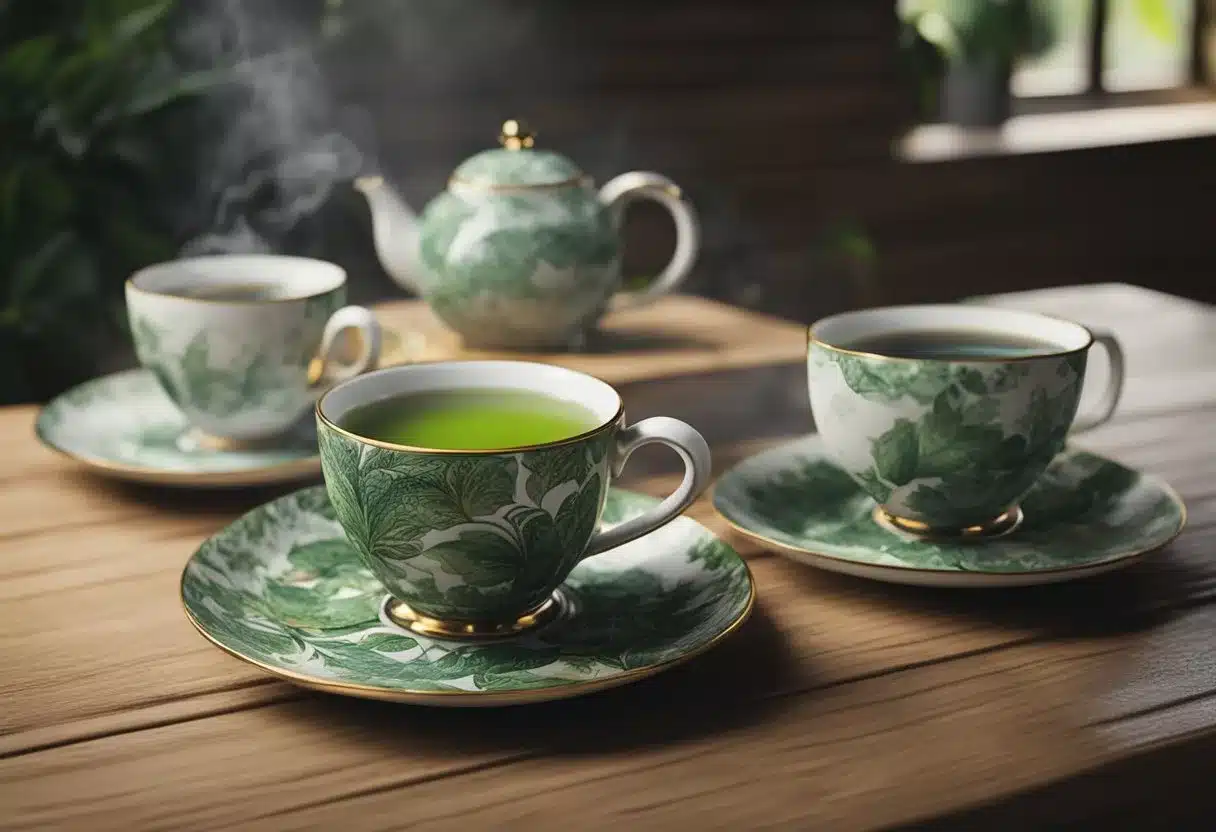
(877, 422)
(434, 527)
(132, 282)
(811, 339)
(616, 419)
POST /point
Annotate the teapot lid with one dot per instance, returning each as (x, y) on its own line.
(517, 164)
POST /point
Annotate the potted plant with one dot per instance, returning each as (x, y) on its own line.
(980, 42)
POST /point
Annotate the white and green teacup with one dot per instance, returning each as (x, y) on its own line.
(476, 543)
(245, 344)
(947, 445)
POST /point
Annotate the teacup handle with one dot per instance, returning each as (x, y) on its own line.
(1114, 387)
(325, 371)
(619, 192)
(691, 447)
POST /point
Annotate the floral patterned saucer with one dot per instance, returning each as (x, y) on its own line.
(282, 589)
(124, 426)
(1086, 515)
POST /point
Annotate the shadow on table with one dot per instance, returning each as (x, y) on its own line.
(623, 341)
(1119, 603)
(222, 503)
(733, 409)
(719, 692)
(727, 406)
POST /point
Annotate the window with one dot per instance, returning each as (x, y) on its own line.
(1118, 72)
(1119, 46)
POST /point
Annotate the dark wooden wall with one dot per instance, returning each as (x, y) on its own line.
(778, 117)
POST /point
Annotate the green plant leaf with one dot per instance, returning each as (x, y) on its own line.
(142, 20)
(163, 87)
(1156, 18)
(28, 62)
(37, 267)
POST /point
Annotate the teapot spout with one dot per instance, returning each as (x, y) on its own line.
(394, 231)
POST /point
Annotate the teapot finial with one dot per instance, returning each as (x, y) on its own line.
(515, 135)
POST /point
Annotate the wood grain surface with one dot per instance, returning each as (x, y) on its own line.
(683, 334)
(842, 704)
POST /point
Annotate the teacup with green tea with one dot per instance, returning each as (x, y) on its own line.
(947, 415)
(244, 344)
(470, 489)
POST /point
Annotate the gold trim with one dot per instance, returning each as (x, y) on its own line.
(1004, 523)
(406, 617)
(779, 545)
(615, 421)
(132, 287)
(514, 135)
(482, 185)
(811, 339)
(209, 442)
(282, 472)
(484, 698)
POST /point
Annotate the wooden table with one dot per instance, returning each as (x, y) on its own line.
(842, 704)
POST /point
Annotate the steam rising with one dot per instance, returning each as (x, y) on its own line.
(277, 152)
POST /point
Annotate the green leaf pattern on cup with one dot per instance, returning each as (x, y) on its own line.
(282, 587)
(1083, 510)
(467, 536)
(252, 374)
(952, 453)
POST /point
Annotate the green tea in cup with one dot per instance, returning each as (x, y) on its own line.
(953, 345)
(470, 489)
(472, 420)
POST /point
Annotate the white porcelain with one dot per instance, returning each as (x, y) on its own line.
(521, 251)
(480, 539)
(1087, 515)
(953, 443)
(124, 426)
(246, 369)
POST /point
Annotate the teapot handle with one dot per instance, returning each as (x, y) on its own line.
(618, 193)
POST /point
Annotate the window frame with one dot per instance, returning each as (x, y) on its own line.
(1199, 75)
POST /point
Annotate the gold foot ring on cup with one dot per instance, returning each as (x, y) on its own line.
(997, 527)
(196, 440)
(401, 614)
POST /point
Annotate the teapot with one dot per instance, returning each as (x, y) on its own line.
(521, 251)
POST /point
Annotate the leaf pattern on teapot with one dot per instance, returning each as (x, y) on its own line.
(499, 166)
(519, 267)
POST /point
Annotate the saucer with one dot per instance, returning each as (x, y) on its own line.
(123, 425)
(1085, 516)
(282, 589)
